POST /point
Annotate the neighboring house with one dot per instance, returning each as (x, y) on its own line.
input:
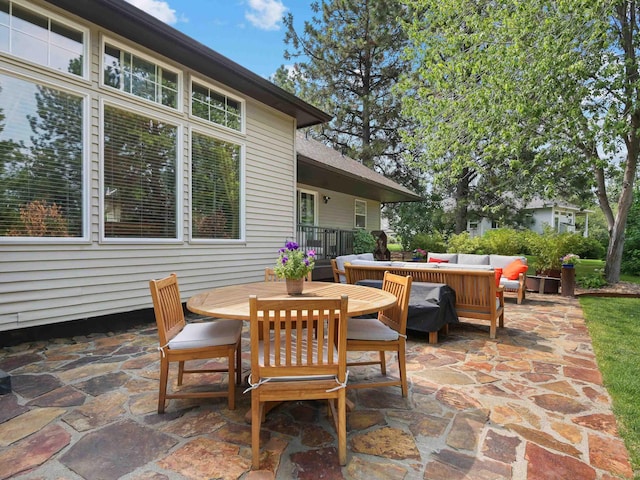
(336, 196)
(557, 214)
(143, 151)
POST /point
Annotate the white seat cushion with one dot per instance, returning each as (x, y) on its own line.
(369, 329)
(510, 284)
(207, 334)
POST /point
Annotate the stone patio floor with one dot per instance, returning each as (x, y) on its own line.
(529, 405)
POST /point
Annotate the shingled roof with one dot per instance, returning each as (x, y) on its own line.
(325, 167)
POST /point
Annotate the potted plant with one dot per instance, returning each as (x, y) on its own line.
(569, 260)
(293, 265)
(419, 255)
(548, 252)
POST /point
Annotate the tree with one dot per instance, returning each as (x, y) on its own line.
(350, 59)
(557, 79)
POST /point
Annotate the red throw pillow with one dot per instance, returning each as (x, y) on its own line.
(437, 260)
(514, 269)
(498, 275)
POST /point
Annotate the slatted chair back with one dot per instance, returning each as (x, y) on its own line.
(396, 316)
(167, 307)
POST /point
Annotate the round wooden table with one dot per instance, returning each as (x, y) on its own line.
(233, 301)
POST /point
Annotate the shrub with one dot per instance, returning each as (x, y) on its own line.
(502, 241)
(363, 242)
(431, 242)
(463, 243)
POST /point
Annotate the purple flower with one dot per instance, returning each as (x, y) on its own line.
(311, 253)
(306, 262)
(292, 246)
(285, 260)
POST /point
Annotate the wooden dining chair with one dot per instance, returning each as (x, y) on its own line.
(181, 342)
(270, 276)
(294, 363)
(387, 333)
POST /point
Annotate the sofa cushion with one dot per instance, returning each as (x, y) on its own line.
(514, 269)
(342, 259)
(502, 261)
(510, 284)
(451, 257)
(463, 266)
(373, 263)
(473, 259)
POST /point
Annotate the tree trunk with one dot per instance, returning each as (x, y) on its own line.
(462, 201)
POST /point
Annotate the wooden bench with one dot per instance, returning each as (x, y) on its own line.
(477, 295)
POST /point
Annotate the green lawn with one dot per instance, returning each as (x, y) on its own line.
(614, 325)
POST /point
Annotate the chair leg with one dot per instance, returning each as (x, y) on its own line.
(256, 416)
(342, 428)
(162, 392)
(232, 386)
(383, 363)
(238, 354)
(180, 372)
(402, 365)
(433, 338)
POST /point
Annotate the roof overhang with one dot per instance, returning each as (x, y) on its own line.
(132, 23)
(320, 175)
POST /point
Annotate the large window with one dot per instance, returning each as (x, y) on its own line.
(139, 176)
(216, 107)
(41, 160)
(40, 39)
(215, 197)
(360, 214)
(140, 77)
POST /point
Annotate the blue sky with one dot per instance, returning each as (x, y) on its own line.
(249, 32)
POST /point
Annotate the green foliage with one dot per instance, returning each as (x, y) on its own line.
(526, 99)
(410, 218)
(463, 243)
(430, 242)
(550, 247)
(363, 242)
(593, 280)
(631, 256)
(502, 241)
(294, 263)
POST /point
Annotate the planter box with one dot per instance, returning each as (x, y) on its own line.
(541, 284)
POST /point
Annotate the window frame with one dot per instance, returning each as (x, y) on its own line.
(316, 206)
(49, 15)
(221, 91)
(86, 164)
(355, 213)
(243, 188)
(179, 72)
(104, 240)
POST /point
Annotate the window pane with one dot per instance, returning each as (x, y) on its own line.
(139, 77)
(139, 176)
(306, 209)
(37, 38)
(215, 188)
(41, 161)
(360, 214)
(215, 107)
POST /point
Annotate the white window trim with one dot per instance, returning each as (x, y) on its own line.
(179, 177)
(355, 213)
(86, 167)
(65, 21)
(221, 91)
(104, 39)
(243, 191)
(315, 204)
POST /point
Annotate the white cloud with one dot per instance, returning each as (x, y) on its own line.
(157, 8)
(266, 14)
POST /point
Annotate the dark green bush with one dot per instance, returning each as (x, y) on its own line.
(430, 242)
(363, 242)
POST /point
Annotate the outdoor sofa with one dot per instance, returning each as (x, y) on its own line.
(477, 294)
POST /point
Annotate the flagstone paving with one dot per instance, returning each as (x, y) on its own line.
(529, 405)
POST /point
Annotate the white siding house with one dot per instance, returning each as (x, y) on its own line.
(129, 151)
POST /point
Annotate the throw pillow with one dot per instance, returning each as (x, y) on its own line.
(514, 269)
(437, 260)
(498, 275)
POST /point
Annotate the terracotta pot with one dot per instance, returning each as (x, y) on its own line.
(294, 285)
